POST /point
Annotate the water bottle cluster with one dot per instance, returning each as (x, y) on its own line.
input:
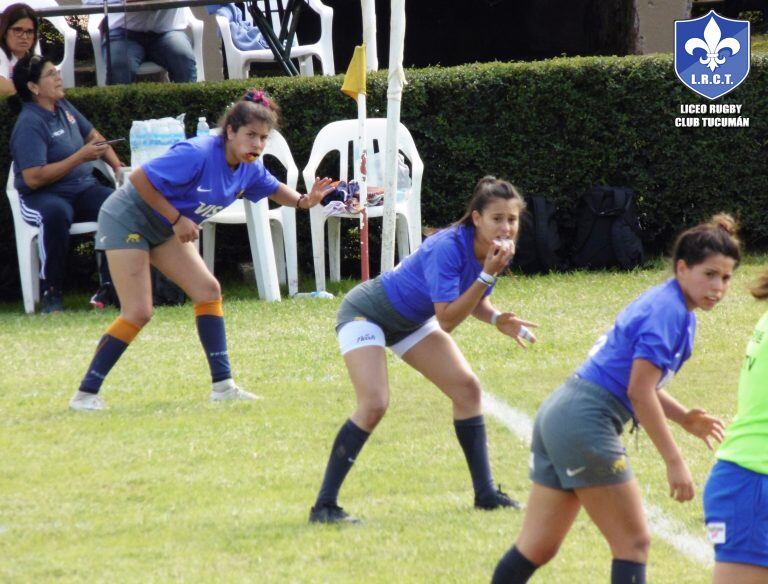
(151, 138)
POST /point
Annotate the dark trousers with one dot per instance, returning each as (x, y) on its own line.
(54, 214)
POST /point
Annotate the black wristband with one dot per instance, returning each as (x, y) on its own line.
(176, 220)
(298, 202)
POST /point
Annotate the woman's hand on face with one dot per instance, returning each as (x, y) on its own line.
(511, 326)
(186, 230)
(680, 481)
(700, 424)
(500, 253)
(320, 188)
(93, 151)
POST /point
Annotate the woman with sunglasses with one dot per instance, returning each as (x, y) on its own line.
(53, 148)
(18, 36)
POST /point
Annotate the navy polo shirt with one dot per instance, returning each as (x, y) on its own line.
(43, 137)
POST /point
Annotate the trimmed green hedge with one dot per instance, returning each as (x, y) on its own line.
(554, 127)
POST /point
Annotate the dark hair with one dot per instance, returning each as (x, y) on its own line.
(254, 106)
(10, 16)
(718, 235)
(487, 189)
(28, 69)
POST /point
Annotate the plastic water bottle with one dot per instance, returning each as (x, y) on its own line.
(135, 140)
(315, 294)
(202, 127)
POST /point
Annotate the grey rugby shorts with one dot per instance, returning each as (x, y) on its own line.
(127, 222)
(576, 440)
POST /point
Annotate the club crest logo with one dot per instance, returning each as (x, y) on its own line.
(712, 54)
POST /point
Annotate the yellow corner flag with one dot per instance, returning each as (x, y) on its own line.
(354, 80)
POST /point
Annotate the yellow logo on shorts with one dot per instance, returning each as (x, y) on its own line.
(619, 465)
(360, 318)
(133, 238)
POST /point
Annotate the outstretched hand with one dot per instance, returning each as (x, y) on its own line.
(320, 188)
(700, 424)
(511, 326)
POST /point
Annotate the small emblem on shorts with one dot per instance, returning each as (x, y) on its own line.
(619, 465)
(716, 532)
(133, 238)
(366, 337)
(360, 318)
(103, 238)
(572, 472)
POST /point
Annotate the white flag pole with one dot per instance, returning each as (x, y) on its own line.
(369, 34)
(396, 79)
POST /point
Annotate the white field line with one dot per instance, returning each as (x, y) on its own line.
(673, 532)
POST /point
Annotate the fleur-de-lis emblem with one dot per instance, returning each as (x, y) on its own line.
(712, 44)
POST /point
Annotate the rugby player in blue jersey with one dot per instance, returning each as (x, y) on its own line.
(578, 460)
(412, 310)
(155, 218)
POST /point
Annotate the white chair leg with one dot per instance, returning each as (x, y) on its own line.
(291, 255)
(401, 237)
(260, 238)
(317, 226)
(28, 273)
(209, 245)
(277, 240)
(306, 66)
(334, 248)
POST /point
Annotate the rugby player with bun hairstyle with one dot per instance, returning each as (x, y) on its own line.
(577, 457)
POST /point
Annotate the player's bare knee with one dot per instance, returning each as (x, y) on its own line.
(468, 392)
(373, 410)
(139, 316)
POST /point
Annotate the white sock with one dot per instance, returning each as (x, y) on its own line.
(223, 385)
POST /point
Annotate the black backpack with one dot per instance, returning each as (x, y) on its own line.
(538, 243)
(607, 230)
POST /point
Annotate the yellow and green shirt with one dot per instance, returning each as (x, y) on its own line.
(746, 439)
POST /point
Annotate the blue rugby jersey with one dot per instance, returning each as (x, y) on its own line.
(195, 178)
(441, 270)
(657, 327)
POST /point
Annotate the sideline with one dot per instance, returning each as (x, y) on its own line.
(697, 549)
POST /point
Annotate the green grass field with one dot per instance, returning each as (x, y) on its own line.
(167, 487)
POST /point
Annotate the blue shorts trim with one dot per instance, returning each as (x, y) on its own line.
(736, 514)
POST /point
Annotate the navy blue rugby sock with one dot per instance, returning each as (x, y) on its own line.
(209, 318)
(348, 444)
(627, 572)
(471, 435)
(513, 568)
(111, 346)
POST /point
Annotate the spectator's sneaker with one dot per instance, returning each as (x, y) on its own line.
(330, 513)
(232, 394)
(496, 499)
(87, 402)
(105, 296)
(51, 302)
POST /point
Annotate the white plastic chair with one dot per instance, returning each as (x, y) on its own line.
(194, 26)
(67, 65)
(238, 61)
(338, 136)
(282, 223)
(27, 239)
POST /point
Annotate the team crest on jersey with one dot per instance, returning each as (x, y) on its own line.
(712, 54)
(70, 117)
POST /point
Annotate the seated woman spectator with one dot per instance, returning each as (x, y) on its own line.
(53, 148)
(18, 37)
